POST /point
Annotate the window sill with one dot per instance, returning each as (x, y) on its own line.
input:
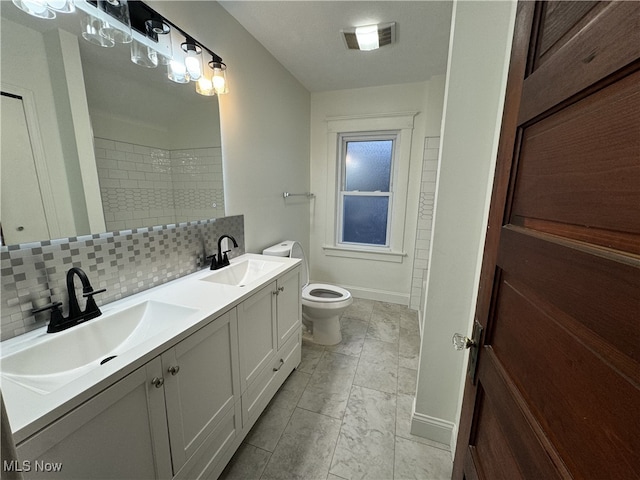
(381, 256)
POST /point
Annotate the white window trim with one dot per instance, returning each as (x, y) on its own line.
(403, 124)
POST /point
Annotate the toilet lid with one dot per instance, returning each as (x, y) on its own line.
(324, 293)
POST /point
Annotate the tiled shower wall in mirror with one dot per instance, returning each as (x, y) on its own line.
(123, 262)
(143, 185)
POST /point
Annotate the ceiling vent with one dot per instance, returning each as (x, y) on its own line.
(386, 36)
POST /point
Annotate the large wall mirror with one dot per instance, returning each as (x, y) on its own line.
(92, 142)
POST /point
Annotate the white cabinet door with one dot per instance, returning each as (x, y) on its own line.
(289, 305)
(119, 433)
(202, 385)
(257, 333)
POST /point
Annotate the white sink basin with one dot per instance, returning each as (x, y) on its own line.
(62, 357)
(242, 273)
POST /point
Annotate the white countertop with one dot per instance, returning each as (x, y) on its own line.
(30, 411)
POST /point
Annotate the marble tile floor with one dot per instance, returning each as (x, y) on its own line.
(345, 412)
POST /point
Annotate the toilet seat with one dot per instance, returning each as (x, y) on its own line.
(324, 293)
(322, 304)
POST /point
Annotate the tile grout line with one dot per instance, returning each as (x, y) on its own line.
(349, 398)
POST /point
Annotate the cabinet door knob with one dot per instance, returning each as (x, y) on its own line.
(281, 289)
(173, 370)
(157, 382)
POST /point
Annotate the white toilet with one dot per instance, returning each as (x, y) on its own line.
(322, 304)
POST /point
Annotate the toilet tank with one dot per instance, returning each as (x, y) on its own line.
(293, 249)
(282, 249)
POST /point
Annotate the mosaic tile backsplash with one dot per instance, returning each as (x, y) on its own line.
(124, 262)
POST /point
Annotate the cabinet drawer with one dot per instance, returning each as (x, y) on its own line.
(270, 379)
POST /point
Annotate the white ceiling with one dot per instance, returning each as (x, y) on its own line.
(305, 37)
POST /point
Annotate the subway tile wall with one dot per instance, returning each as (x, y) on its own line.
(143, 185)
(425, 221)
(124, 262)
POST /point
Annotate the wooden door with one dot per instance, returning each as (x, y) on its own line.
(557, 387)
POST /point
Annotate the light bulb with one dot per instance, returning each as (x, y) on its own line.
(177, 72)
(219, 82)
(367, 37)
(35, 8)
(192, 64)
(204, 86)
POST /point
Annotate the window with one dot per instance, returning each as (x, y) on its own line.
(367, 180)
(365, 189)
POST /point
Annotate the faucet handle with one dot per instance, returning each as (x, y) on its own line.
(213, 261)
(94, 292)
(51, 306)
(56, 318)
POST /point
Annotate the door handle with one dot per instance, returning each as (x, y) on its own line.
(462, 342)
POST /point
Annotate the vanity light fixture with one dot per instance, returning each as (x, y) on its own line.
(45, 8)
(91, 28)
(370, 37)
(214, 79)
(159, 31)
(143, 55)
(193, 60)
(106, 22)
(220, 84)
(117, 30)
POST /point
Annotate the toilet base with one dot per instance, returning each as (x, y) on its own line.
(324, 331)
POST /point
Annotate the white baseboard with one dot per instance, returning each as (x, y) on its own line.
(379, 295)
(454, 441)
(432, 428)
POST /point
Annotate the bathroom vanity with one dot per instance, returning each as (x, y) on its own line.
(190, 367)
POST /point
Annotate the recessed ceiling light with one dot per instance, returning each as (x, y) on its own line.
(370, 37)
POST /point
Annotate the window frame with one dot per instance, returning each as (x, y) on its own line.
(401, 122)
(344, 139)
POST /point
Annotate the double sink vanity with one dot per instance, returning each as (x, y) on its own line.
(164, 384)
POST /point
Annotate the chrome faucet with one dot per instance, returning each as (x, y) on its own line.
(58, 321)
(222, 259)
